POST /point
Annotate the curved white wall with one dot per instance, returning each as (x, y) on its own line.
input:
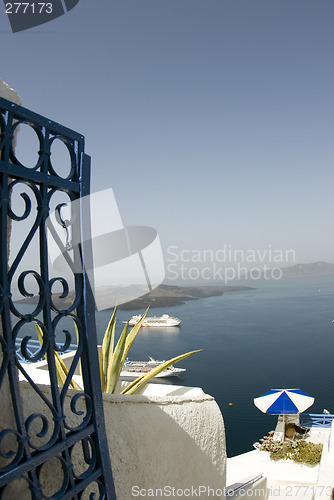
(165, 442)
(158, 443)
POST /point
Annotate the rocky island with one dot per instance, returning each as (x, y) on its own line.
(162, 296)
(167, 295)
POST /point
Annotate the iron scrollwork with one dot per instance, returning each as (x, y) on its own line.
(47, 427)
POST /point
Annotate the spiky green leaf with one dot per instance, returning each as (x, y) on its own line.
(61, 368)
(107, 350)
(132, 335)
(115, 366)
(62, 373)
(112, 360)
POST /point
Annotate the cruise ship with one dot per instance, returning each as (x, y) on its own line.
(134, 369)
(164, 320)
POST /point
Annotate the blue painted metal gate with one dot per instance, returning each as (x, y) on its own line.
(53, 443)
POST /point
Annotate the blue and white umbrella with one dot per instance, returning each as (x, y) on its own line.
(284, 402)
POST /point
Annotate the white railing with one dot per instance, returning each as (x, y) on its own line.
(237, 490)
(33, 347)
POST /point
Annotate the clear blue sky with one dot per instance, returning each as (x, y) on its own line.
(212, 120)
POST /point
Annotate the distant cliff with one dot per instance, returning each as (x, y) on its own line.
(162, 296)
(314, 269)
(166, 295)
(295, 271)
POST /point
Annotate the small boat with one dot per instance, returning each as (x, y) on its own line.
(134, 369)
(164, 320)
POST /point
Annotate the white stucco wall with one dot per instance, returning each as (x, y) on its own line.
(165, 442)
(159, 442)
(325, 481)
(8, 93)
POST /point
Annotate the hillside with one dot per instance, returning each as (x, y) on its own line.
(313, 269)
(162, 296)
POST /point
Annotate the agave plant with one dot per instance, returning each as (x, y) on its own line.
(112, 358)
(62, 371)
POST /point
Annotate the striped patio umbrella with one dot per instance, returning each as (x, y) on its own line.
(284, 402)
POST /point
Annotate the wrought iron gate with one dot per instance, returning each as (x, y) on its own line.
(52, 439)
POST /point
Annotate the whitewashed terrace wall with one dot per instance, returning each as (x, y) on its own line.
(158, 442)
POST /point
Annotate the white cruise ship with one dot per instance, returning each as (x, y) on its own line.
(134, 369)
(164, 320)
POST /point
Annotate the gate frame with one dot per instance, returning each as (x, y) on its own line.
(43, 181)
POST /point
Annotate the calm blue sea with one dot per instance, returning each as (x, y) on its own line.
(277, 335)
